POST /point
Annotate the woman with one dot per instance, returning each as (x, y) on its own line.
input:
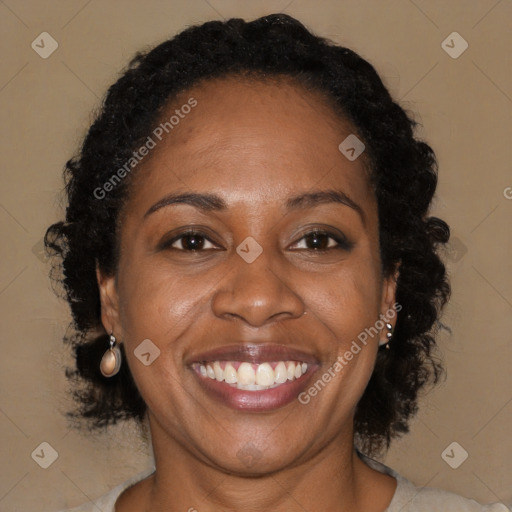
(251, 267)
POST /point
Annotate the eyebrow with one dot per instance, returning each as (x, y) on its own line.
(205, 202)
(311, 199)
(212, 202)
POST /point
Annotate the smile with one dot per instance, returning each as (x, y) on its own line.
(251, 376)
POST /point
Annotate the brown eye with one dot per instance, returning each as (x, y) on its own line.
(321, 241)
(190, 242)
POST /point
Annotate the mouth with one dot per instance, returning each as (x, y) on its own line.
(254, 377)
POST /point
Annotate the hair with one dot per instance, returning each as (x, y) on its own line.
(403, 174)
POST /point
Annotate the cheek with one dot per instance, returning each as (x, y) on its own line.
(345, 307)
(347, 300)
(158, 304)
(162, 307)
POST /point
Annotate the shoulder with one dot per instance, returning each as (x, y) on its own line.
(409, 498)
(106, 503)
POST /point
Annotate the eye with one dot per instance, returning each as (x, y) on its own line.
(321, 241)
(190, 241)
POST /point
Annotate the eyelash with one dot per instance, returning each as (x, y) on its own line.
(341, 242)
(189, 233)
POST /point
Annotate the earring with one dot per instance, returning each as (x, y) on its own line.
(389, 335)
(111, 360)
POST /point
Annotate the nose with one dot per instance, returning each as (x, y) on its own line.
(256, 293)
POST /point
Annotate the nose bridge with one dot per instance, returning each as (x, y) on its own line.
(255, 289)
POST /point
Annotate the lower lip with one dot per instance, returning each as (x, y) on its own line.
(257, 401)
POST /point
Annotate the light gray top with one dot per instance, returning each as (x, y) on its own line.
(407, 497)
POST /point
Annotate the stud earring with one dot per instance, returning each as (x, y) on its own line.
(111, 360)
(389, 335)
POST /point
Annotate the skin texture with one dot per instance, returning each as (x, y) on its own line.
(255, 145)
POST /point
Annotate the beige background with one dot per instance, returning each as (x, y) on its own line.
(465, 107)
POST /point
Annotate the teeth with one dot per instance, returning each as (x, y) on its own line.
(264, 375)
(280, 373)
(230, 375)
(290, 367)
(246, 374)
(251, 387)
(219, 372)
(253, 377)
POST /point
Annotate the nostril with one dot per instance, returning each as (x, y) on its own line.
(257, 295)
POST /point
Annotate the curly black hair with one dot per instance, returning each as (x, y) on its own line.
(403, 173)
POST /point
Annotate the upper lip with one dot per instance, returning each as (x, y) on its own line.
(254, 353)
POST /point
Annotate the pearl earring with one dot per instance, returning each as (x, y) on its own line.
(111, 360)
(389, 335)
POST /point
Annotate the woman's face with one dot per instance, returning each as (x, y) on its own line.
(254, 170)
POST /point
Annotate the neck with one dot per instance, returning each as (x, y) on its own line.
(333, 479)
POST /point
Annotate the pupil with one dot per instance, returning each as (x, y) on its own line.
(193, 242)
(318, 241)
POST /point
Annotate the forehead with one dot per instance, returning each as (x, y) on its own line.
(267, 137)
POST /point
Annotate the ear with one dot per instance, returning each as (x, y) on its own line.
(389, 308)
(109, 302)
